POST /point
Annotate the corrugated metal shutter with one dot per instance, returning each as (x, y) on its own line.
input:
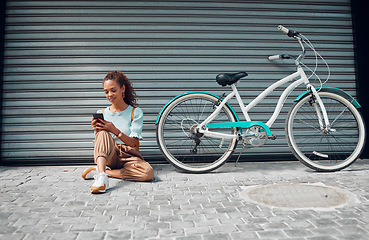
(57, 53)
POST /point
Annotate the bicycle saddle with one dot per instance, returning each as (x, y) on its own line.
(229, 78)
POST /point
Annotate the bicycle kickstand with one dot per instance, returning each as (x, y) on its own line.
(239, 156)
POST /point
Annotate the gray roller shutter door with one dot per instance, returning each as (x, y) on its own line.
(57, 53)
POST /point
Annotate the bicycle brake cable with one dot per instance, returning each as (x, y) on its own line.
(316, 53)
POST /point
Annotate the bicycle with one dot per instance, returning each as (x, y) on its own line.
(198, 131)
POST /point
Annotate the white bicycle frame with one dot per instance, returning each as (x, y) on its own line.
(246, 108)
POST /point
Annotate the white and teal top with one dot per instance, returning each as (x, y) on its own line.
(130, 126)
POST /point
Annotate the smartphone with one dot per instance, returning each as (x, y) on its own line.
(98, 116)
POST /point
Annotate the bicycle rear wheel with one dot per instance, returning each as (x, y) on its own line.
(175, 134)
(319, 149)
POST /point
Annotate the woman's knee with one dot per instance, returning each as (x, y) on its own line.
(149, 173)
(102, 134)
(138, 171)
(104, 145)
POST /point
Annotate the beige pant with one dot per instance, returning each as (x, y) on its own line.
(118, 156)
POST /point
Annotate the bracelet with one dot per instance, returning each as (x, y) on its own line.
(119, 134)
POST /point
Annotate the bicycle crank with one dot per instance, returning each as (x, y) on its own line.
(255, 136)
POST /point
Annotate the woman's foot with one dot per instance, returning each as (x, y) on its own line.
(89, 173)
(101, 183)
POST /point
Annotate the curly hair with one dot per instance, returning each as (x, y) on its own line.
(130, 94)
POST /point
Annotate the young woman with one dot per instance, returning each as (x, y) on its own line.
(117, 137)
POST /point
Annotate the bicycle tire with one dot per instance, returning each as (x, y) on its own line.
(174, 137)
(325, 151)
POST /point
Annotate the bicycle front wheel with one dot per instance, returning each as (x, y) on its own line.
(325, 150)
(176, 139)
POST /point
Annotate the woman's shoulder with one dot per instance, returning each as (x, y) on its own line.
(136, 108)
(130, 110)
(137, 111)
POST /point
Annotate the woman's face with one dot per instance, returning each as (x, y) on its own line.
(113, 92)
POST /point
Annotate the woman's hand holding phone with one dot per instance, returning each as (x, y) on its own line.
(98, 124)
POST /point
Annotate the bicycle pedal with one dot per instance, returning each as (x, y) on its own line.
(273, 137)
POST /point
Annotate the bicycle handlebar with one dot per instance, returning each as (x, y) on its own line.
(293, 34)
(282, 56)
(283, 29)
(274, 57)
(290, 33)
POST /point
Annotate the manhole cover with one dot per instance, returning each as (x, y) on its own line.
(298, 196)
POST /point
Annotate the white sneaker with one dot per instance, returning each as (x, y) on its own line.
(89, 173)
(101, 183)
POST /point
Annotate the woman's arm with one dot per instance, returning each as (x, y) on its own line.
(109, 126)
(129, 141)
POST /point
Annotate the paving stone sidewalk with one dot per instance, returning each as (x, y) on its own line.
(54, 202)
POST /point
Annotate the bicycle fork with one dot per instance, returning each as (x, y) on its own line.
(320, 109)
